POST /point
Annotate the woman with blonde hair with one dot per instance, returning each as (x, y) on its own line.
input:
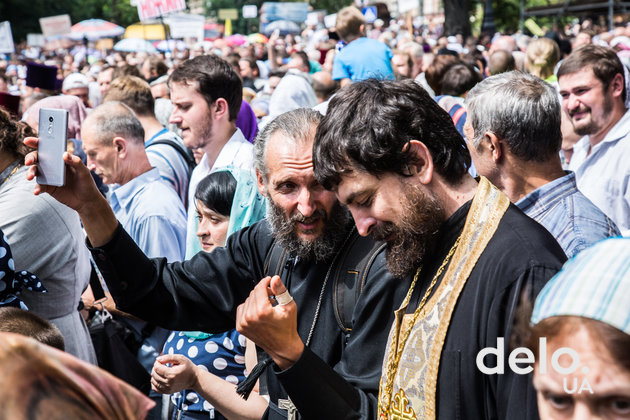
(542, 56)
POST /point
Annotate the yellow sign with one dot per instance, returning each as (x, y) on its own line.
(533, 27)
(225, 14)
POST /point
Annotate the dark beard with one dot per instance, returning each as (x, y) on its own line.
(593, 127)
(320, 249)
(410, 240)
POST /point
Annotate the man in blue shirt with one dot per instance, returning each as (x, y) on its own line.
(362, 58)
(513, 134)
(147, 207)
(168, 158)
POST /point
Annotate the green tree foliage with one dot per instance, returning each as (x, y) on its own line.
(25, 19)
(243, 26)
(506, 15)
(121, 12)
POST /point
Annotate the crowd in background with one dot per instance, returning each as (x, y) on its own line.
(182, 177)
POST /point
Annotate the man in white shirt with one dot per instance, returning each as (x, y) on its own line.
(207, 95)
(593, 92)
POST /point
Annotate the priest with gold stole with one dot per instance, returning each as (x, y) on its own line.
(396, 160)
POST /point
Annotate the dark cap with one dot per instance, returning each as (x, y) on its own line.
(10, 102)
(41, 76)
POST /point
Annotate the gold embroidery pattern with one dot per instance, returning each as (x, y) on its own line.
(401, 409)
(419, 357)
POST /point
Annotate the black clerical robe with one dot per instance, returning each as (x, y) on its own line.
(517, 262)
(336, 377)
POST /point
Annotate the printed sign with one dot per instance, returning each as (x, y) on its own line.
(369, 13)
(295, 12)
(148, 9)
(330, 20)
(250, 11)
(55, 25)
(407, 5)
(225, 14)
(6, 38)
(35, 40)
(185, 26)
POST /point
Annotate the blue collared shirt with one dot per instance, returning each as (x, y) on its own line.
(153, 215)
(172, 166)
(564, 211)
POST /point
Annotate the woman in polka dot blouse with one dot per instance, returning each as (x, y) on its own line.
(198, 364)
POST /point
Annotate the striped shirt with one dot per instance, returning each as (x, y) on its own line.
(564, 211)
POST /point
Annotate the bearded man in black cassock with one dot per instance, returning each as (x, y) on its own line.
(318, 369)
(395, 159)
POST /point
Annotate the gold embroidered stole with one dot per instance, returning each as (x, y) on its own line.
(415, 381)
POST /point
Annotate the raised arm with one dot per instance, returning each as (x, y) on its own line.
(78, 193)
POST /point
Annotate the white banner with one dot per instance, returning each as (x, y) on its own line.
(55, 25)
(6, 38)
(407, 5)
(186, 26)
(148, 9)
(35, 40)
(330, 20)
(250, 11)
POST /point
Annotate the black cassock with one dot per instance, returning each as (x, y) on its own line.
(334, 379)
(517, 262)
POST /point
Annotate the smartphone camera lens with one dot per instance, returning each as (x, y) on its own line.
(50, 119)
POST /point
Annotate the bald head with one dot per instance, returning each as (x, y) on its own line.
(504, 42)
(113, 119)
(501, 61)
(324, 85)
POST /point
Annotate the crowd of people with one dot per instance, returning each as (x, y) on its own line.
(369, 222)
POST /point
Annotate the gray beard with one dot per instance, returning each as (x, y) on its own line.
(320, 249)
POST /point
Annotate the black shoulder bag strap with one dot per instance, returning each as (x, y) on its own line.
(189, 158)
(350, 277)
(275, 260)
(274, 265)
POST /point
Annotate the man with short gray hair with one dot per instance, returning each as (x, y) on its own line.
(147, 207)
(514, 138)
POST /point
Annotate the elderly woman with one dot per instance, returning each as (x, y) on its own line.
(46, 239)
(581, 336)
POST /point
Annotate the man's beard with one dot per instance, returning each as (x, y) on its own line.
(593, 126)
(320, 249)
(410, 239)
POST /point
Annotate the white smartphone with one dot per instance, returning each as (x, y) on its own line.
(53, 129)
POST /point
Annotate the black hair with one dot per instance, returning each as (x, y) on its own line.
(459, 79)
(368, 125)
(216, 191)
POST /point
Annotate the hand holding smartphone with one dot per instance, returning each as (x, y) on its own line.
(53, 129)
